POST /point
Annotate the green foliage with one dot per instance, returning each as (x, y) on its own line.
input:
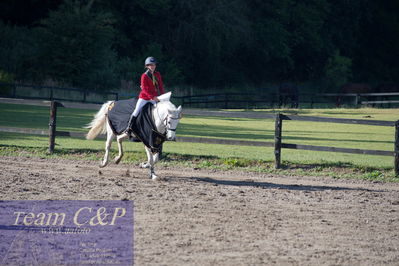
(337, 71)
(309, 47)
(17, 50)
(6, 77)
(226, 43)
(374, 175)
(76, 47)
(154, 7)
(171, 73)
(237, 162)
(378, 42)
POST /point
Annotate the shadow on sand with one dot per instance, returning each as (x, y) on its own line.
(277, 186)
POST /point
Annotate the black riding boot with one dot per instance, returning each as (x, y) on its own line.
(130, 124)
(130, 129)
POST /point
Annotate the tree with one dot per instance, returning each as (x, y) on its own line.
(18, 47)
(76, 47)
(224, 43)
(205, 37)
(26, 12)
(377, 48)
(269, 50)
(338, 71)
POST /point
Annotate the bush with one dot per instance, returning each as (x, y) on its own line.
(6, 78)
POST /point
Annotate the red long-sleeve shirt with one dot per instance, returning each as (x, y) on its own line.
(148, 89)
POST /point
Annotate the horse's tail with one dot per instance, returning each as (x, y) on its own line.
(98, 124)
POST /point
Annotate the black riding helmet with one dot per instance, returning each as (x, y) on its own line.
(150, 60)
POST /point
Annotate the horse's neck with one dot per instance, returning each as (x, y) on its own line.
(158, 115)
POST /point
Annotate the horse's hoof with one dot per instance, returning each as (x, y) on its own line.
(102, 165)
(117, 160)
(144, 165)
(155, 178)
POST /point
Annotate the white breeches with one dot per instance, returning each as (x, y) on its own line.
(140, 104)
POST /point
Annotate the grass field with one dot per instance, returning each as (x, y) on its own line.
(225, 156)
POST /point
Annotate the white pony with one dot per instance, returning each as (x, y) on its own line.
(166, 117)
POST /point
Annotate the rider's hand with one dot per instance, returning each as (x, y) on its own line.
(156, 99)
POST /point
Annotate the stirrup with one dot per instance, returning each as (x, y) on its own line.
(134, 138)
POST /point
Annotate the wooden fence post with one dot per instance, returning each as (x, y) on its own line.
(52, 126)
(51, 93)
(396, 150)
(356, 102)
(277, 140)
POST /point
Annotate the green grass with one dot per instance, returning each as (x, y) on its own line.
(296, 162)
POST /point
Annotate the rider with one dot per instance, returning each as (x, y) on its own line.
(151, 87)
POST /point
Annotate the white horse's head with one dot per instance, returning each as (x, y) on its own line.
(167, 116)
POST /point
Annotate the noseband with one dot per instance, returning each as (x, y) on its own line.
(166, 122)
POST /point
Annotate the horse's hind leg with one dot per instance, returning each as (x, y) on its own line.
(119, 140)
(110, 137)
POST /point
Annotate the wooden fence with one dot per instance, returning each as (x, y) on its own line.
(278, 137)
(273, 99)
(229, 100)
(50, 93)
(264, 98)
(278, 144)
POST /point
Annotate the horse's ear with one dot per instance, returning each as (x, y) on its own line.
(165, 97)
(179, 109)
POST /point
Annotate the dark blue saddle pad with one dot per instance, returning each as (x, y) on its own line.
(120, 113)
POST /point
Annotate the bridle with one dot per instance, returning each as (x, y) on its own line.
(166, 121)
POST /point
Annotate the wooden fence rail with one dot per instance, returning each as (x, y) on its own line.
(278, 144)
(14, 90)
(269, 98)
(394, 153)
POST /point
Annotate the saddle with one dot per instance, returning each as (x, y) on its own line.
(144, 127)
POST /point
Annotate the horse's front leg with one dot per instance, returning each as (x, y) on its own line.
(150, 164)
(147, 164)
(110, 137)
(119, 140)
(155, 158)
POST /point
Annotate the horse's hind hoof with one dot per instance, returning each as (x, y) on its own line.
(117, 161)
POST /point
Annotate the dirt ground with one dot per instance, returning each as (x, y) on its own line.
(197, 217)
